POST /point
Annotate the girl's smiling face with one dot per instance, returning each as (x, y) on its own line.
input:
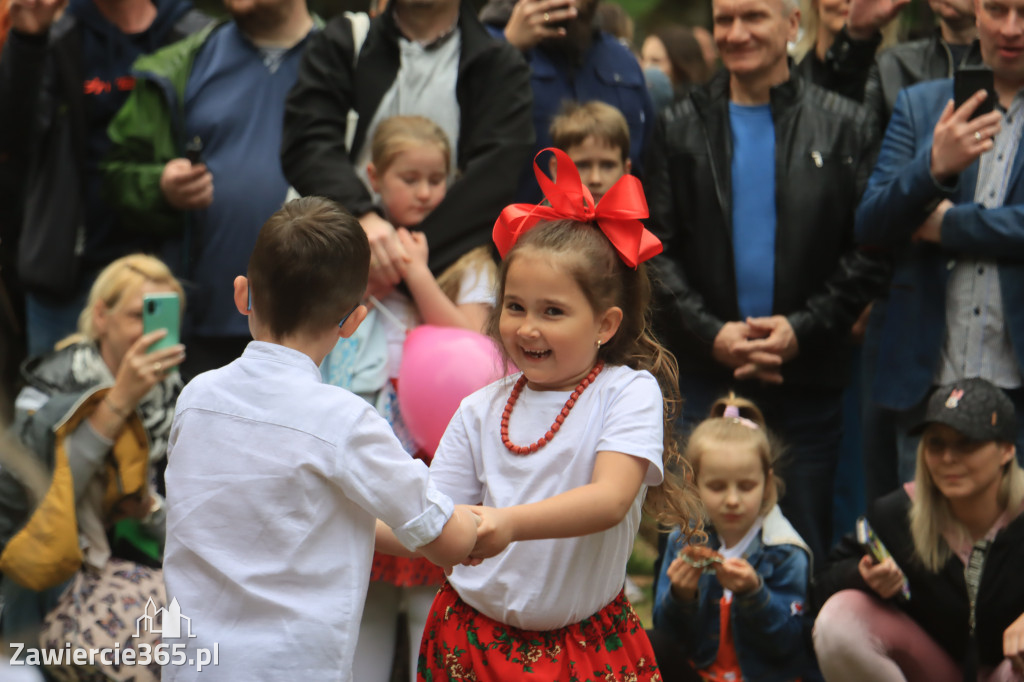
(547, 325)
(731, 482)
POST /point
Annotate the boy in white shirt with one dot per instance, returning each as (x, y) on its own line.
(275, 478)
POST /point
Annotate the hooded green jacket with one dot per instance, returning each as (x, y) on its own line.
(146, 133)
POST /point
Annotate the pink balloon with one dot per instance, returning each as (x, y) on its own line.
(441, 366)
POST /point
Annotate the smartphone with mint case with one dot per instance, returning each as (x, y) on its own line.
(162, 311)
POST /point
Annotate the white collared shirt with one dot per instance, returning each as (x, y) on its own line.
(273, 484)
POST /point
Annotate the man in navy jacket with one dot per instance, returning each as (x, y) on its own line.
(947, 200)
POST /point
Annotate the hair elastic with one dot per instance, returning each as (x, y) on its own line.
(733, 412)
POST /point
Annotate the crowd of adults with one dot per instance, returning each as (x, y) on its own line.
(819, 215)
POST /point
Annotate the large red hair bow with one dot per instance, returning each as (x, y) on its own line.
(618, 214)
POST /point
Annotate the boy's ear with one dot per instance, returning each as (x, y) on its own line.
(609, 325)
(627, 166)
(241, 295)
(371, 175)
(352, 323)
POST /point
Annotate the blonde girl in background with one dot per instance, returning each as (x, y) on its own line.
(410, 161)
(735, 613)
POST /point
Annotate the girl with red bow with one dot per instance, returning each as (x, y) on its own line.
(563, 453)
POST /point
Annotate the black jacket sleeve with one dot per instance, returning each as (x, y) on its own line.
(680, 309)
(495, 142)
(22, 74)
(313, 153)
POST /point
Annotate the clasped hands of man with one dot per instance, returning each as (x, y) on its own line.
(756, 348)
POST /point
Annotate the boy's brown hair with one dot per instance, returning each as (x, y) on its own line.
(309, 267)
(577, 122)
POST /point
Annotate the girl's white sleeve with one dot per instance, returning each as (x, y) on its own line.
(634, 424)
(455, 469)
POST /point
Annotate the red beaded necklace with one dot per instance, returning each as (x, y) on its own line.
(557, 424)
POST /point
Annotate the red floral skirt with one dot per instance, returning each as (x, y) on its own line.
(405, 571)
(460, 643)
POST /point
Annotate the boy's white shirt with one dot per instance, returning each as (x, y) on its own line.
(273, 484)
(547, 584)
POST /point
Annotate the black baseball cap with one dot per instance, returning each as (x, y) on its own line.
(975, 407)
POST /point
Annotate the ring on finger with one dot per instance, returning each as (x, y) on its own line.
(977, 135)
(547, 17)
(157, 366)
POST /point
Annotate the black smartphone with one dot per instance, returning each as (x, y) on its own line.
(967, 81)
(194, 150)
(564, 23)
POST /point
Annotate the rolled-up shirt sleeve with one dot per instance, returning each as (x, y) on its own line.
(426, 527)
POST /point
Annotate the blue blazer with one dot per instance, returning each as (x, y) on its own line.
(897, 200)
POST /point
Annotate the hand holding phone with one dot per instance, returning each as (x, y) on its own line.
(969, 80)
(162, 311)
(194, 150)
(966, 126)
(874, 548)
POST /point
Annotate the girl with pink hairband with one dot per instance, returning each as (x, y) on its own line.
(734, 614)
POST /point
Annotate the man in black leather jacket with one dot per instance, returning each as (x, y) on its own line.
(762, 280)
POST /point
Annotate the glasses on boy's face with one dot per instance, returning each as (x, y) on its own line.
(340, 324)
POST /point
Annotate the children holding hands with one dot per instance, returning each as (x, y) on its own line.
(275, 479)
(410, 160)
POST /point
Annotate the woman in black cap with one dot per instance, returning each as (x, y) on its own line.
(949, 603)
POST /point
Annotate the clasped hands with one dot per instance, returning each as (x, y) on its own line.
(756, 348)
(493, 534)
(736, 575)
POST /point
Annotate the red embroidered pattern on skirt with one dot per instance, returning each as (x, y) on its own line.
(405, 572)
(460, 643)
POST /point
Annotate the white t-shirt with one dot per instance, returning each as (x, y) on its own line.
(274, 480)
(547, 584)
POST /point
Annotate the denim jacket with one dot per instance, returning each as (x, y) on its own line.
(767, 624)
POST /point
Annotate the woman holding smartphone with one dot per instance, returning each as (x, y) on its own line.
(955, 534)
(98, 407)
